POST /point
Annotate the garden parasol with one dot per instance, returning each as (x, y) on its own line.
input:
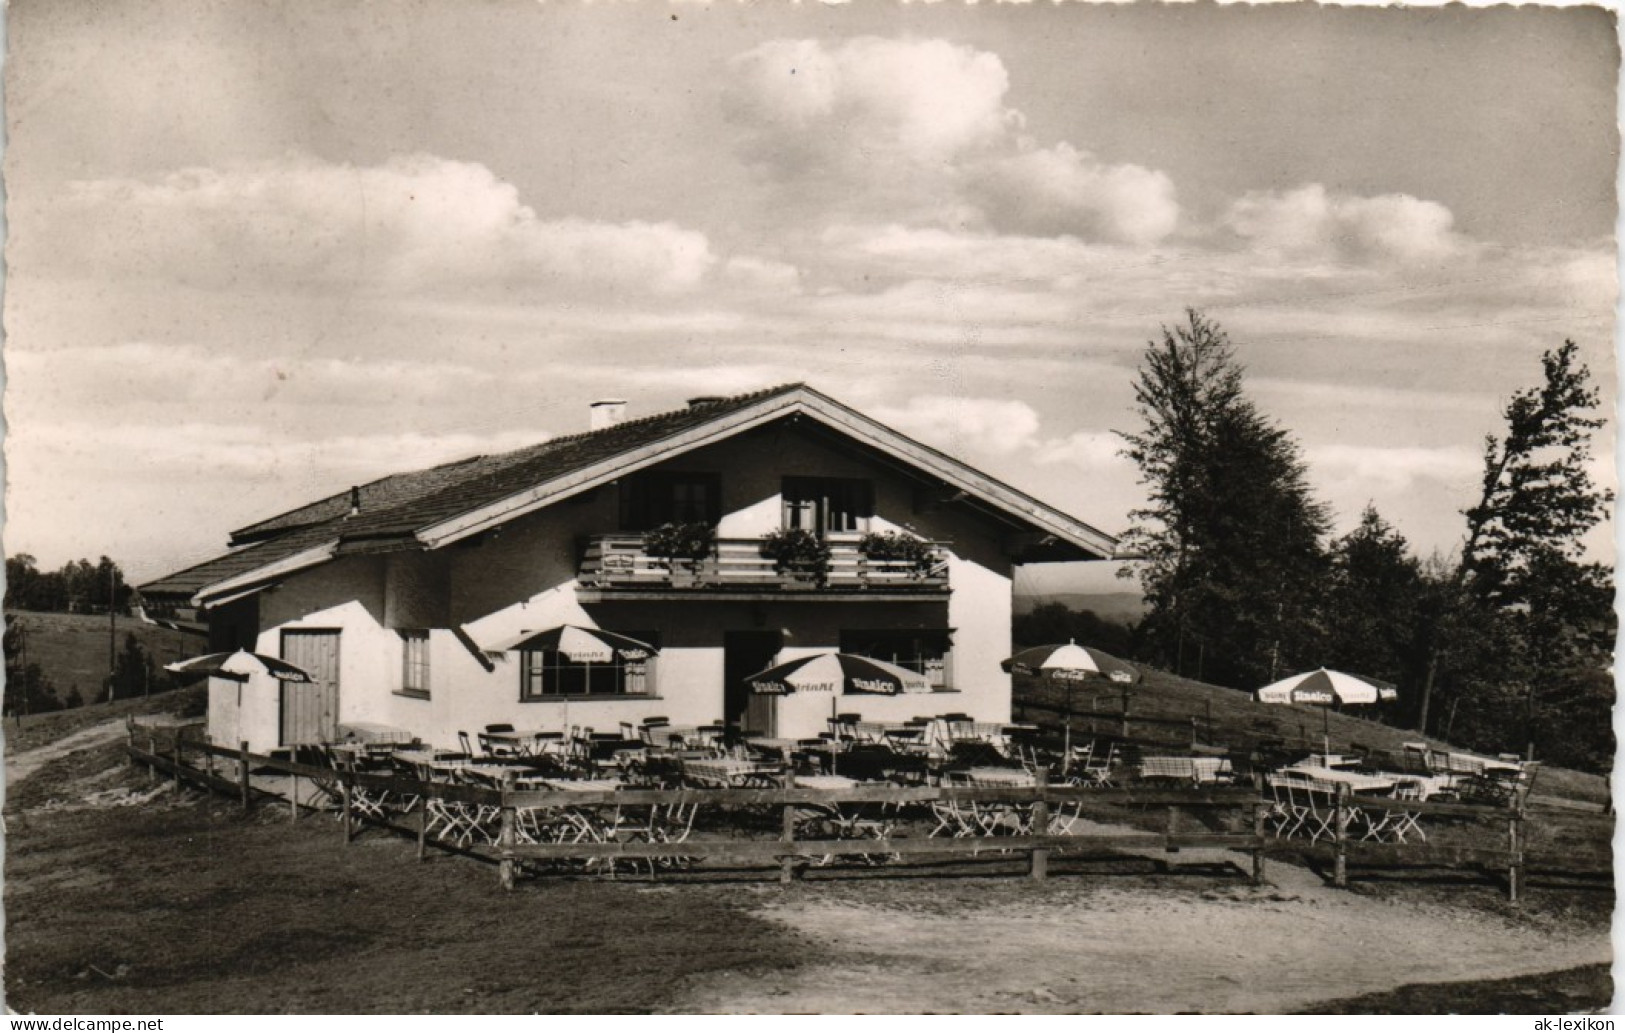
(836, 673)
(579, 646)
(1326, 688)
(1071, 663)
(239, 666)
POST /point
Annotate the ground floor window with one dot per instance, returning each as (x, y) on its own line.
(547, 672)
(415, 662)
(925, 651)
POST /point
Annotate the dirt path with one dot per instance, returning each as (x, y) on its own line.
(26, 762)
(1077, 948)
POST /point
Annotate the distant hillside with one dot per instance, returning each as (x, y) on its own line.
(71, 648)
(1119, 607)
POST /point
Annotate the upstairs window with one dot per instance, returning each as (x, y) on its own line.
(659, 497)
(415, 663)
(546, 673)
(828, 504)
(924, 651)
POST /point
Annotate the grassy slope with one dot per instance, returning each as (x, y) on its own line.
(71, 648)
(36, 730)
(267, 916)
(1237, 718)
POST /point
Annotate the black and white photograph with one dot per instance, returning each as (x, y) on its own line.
(669, 507)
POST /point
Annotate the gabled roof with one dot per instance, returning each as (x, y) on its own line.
(443, 504)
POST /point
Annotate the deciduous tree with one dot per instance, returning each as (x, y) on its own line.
(1231, 539)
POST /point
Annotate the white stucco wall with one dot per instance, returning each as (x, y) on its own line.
(522, 578)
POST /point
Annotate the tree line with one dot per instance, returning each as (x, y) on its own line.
(1503, 645)
(79, 586)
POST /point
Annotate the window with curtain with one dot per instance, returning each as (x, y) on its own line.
(415, 662)
(924, 651)
(546, 673)
(658, 497)
(826, 504)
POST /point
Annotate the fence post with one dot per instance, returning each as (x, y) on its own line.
(505, 839)
(1194, 738)
(1258, 848)
(1514, 851)
(129, 741)
(423, 821)
(293, 796)
(242, 771)
(1040, 859)
(175, 758)
(787, 836)
(1340, 868)
(152, 758)
(1171, 830)
(344, 804)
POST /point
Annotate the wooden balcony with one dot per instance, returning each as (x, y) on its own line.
(617, 567)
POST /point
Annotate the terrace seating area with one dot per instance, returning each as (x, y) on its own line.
(1359, 796)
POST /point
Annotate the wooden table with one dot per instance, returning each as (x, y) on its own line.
(528, 742)
(1196, 770)
(824, 782)
(727, 771)
(582, 785)
(373, 732)
(1001, 777)
(1357, 783)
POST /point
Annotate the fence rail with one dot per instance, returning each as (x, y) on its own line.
(1038, 841)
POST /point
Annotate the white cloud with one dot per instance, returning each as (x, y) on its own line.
(919, 128)
(916, 101)
(43, 384)
(1391, 468)
(1312, 222)
(760, 273)
(1094, 451)
(1062, 190)
(417, 222)
(986, 425)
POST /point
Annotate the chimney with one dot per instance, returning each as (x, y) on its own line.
(355, 499)
(607, 412)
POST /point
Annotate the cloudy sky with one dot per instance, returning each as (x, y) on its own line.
(261, 251)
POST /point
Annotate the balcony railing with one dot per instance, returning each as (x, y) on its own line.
(619, 563)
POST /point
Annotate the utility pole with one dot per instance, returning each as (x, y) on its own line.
(112, 636)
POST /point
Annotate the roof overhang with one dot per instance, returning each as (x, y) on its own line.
(259, 579)
(996, 495)
(1041, 532)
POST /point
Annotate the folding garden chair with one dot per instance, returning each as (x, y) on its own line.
(1285, 813)
(1097, 770)
(1321, 811)
(1392, 824)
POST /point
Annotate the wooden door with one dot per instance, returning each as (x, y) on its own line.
(310, 712)
(743, 654)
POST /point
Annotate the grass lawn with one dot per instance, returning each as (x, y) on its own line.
(71, 648)
(181, 904)
(189, 907)
(1235, 717)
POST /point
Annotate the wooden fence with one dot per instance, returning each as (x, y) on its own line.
(1044, 808)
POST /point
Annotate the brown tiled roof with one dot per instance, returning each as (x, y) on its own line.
(394, 510)
(530, 467)
(241, 561)
(399, 505)
(384, 493)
